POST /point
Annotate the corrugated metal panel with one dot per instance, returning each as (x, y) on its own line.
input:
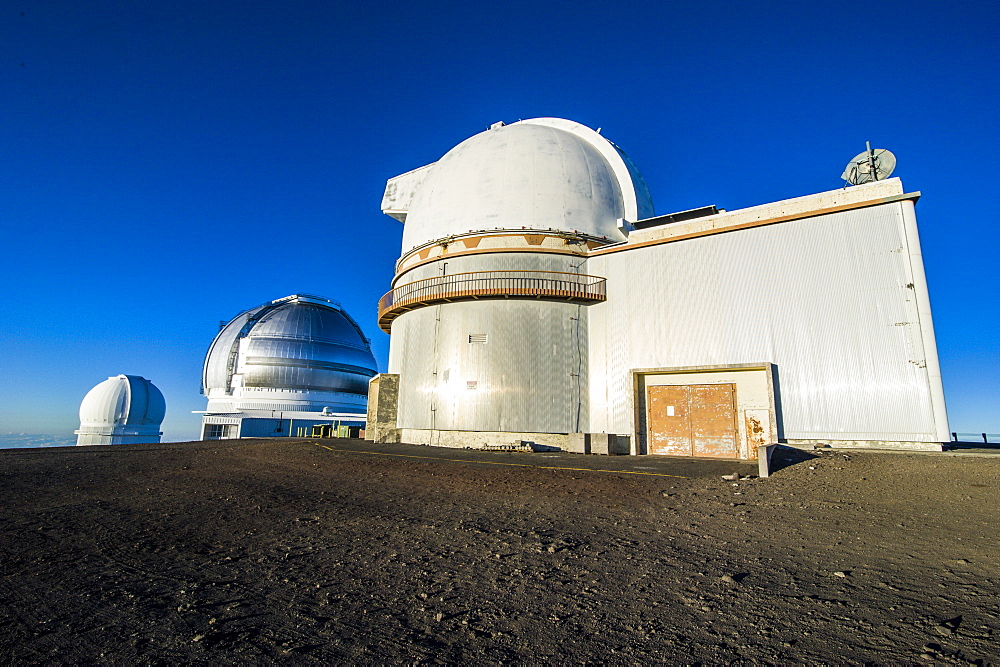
(825, 298)
(922, 300)
(529, 377)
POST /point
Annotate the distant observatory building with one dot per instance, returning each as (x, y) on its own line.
(285, 366)
(122, 410)
(538, 298)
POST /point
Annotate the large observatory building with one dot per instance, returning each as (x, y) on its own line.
(539, 298)
(285, 366)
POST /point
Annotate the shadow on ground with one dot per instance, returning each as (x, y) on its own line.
(956, 446)
(786, 457)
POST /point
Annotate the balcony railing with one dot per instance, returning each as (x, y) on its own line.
(549, 285)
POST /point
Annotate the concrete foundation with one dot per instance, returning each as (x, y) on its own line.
(609, 444)
(481, 439)
(867, 444)
(578, 443)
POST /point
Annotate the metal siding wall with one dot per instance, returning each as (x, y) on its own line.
(824, 298)
(530, 376)
(260, 428)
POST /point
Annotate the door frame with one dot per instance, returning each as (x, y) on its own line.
(755, 391)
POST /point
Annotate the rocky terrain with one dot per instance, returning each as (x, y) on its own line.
(343, 551)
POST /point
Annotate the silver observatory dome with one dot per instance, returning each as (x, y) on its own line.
(300, 352)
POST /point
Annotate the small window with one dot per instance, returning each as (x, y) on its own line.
(479, 338)
(219, 431)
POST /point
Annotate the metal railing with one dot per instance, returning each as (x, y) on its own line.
(971, 438)
(489, 284)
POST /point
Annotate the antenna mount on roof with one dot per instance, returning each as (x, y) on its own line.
(872, 165)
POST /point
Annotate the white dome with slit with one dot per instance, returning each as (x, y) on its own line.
(122, 410)
(539, 174)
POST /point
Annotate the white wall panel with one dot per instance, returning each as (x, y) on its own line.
(530, 375)
(828, 299)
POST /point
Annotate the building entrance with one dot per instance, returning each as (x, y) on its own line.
(693, 420)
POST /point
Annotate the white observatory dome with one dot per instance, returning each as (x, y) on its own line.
(300, 352)
(542, 174)
(122, 410)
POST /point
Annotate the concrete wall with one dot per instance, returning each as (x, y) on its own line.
(598, 443)
(383, 407)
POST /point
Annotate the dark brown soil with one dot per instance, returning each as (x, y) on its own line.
(286, 551)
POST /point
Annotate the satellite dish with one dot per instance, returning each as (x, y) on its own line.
(872, 165)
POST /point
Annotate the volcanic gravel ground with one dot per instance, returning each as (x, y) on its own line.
(287, 551)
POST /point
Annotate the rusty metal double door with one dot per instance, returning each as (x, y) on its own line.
(693, 420)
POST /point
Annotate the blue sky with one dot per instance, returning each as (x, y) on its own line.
(168, 164)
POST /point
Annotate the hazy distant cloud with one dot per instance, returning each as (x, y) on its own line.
(17, 440)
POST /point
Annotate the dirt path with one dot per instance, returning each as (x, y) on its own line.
(288, 551)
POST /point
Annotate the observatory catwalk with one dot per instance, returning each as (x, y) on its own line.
(539, 299)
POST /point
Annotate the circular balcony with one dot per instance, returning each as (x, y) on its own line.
(547, 285)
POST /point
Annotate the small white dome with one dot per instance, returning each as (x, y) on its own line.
(124, 409)
(540, 174)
